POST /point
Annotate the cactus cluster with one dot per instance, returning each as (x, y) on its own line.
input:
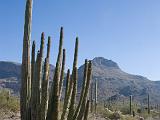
(38, 102)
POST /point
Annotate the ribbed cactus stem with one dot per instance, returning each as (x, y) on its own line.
(86, 113)
(74, 93)
(91, 97)
(39, 76)
(25, 72)
(35, 90)
(53, 109)
(96, 96)
(44, 98)
(148, 104)
(33, 63)
(62, 73)
(130, 104)
(67, 99)
(82, 90)
(45, 82)
(85, 97)
(67, 83)
(76, 54)
(48, 47)
(74, 79)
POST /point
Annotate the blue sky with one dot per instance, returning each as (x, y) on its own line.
(126, 31)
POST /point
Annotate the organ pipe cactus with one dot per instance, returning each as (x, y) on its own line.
(53, 112)
(25, 74)
(62, 72)
(82, 91)
(86, 92)
(86, 111)
(37, 102)
(45, 80)
(67, 99)
(74, 79)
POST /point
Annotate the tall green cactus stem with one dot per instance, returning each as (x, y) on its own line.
(35, 97)
(62, 73)
(75, 54)
(44, 97)
(148, 104)
(67, 99)
(74, 93)
(91, 97)
(95, 96)
(85, 97)
(48, 47)
(86, 113)
(39, 76)
(25, 75)
(82, 90)
(130, 104)
(45, 80)
(32, 67)
(33, 102)
(53, 109)
(74, 79)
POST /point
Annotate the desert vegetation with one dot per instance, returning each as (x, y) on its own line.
(37, 102)
(61, 98)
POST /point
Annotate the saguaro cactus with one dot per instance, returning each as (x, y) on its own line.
(148, 104)
(130, 104)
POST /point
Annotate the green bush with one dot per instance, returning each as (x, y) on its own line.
(8, 102)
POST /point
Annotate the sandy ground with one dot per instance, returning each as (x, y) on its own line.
(16, 116)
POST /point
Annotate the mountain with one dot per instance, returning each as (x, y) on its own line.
(10, 75)
(113, 83)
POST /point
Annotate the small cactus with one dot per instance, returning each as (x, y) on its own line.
(95, 96)
(130, 104)
(148, 104)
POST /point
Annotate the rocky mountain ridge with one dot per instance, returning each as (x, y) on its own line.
(112, 81)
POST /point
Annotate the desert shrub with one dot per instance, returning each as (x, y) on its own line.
(139, 110)
(8, 102)
(115, 116)
(125, 110)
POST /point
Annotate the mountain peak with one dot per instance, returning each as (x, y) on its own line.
(101, 61)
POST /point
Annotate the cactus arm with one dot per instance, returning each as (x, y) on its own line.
(53, 109)
(62, 73)
(82, 90)
(25, 74)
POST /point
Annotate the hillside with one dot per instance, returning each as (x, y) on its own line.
(116, 84)
(113, 83)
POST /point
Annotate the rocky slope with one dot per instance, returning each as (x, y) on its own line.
(113, 83)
